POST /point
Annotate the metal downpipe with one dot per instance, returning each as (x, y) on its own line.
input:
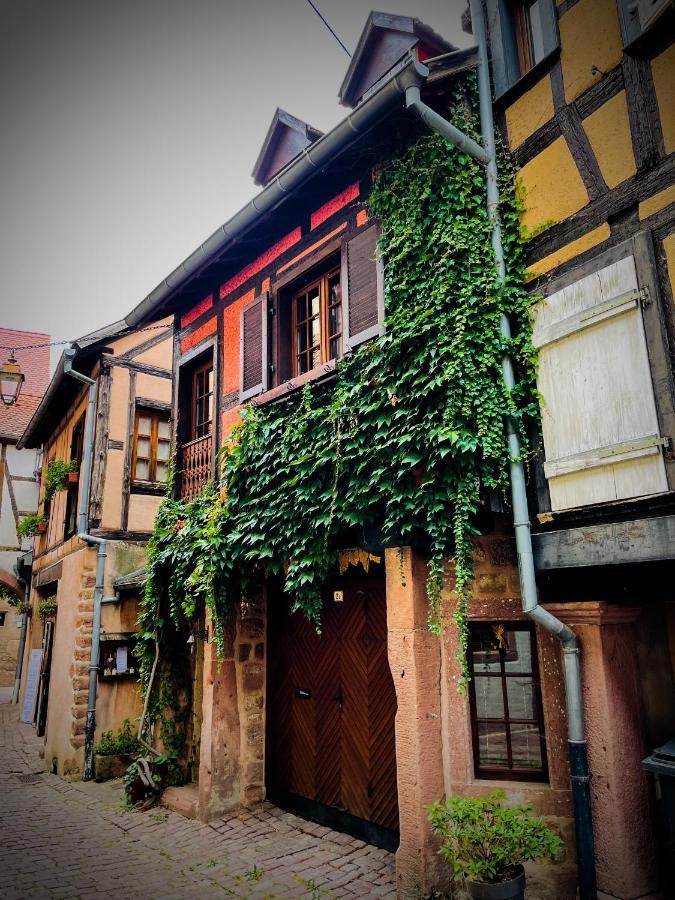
(22, 647)
(101, 554)
(570, 643)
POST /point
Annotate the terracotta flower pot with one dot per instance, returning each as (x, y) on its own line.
(72, 478)
(41, 528)
(513, 889)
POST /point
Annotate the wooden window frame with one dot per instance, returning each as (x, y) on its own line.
(325, 338)
(73, 491)
(205, 367)
(154, 415)
(508, 773)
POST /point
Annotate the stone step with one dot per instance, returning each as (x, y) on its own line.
(183, 800)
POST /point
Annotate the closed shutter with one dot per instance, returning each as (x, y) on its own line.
(253, 352)
(599, 420)
(362, 288)
(503, 49)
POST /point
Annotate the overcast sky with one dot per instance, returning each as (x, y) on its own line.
(129, 129)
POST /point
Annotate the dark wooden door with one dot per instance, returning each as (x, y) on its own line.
(331, 710)
(43, 689)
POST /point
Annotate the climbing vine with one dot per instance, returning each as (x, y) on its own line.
(404, 440)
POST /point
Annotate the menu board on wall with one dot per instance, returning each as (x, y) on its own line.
(32, 682)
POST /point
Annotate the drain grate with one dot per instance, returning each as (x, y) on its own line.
(29, 779)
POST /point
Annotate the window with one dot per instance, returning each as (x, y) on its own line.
(507, 721)
(152, 446)
(3, 615)
(73, 490)
(317, 323)
(529, 33)
(202, 400)
(637, 16)
(522, 33)
(314, 313)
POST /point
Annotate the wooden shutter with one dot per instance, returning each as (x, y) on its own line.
(599, 419)
(362, 288)
(549, 25)
(503, 48)
(253, 348)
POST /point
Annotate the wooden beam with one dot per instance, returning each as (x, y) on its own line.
(615, 543)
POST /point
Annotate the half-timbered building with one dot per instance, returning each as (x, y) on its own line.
(130, 447)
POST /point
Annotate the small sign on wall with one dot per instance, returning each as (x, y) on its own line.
(338, 597)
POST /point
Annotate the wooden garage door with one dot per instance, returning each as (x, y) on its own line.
(331, 710)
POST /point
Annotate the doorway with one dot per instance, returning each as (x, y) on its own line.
(331, 752)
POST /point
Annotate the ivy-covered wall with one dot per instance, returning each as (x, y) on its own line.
(403, 440)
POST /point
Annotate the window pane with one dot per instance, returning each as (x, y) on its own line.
(142, 469)
(334, 351)
(303, 364)
(163, 448)
(313, 301)
(161, 472)
(163, 429)
(144, 424)
(334, 320)
(301, 308)
(492, 748)
(484, 651)
(520, 695)
(143, 447)
(536, 31)
(526, 747)
(316, 357)
(334, 289)
(301, 339)
(489, 698)
(315, 331)
(518, 655)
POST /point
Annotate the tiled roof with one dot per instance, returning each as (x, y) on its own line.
(13, 419)
(34, 362)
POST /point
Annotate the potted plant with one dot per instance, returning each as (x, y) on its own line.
(57, 476)
(31, 525)
(47, 607)
(114, 752)
(487, 843)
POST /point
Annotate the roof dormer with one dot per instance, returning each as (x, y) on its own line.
(286, 138)
(384, 41)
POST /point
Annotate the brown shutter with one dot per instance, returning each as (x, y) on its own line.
(253, 348)
(362, 287)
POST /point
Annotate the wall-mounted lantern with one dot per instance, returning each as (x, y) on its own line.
(11, 379)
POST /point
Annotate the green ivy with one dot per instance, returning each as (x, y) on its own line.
(403, 439)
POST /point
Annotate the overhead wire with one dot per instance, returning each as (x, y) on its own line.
(329, 26)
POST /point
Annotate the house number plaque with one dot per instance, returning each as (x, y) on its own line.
(338, 597)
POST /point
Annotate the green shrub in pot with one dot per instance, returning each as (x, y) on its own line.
(486, 842)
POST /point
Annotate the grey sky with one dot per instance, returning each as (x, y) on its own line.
(128, 131)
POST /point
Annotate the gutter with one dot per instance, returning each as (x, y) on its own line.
(312, 159)
(92, 541)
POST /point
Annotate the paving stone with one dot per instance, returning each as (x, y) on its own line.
(62, 840)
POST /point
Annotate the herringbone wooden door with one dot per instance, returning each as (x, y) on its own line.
(332, 705)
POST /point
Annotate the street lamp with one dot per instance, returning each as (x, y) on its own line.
(11, 379)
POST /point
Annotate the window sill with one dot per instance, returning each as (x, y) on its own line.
(527, 81)
(156, 488)
(324, 372)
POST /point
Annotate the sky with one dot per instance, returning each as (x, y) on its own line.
(129, 129)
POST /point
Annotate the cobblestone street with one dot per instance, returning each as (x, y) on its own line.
(65, 840)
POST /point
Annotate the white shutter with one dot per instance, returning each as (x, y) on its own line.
(600, 427)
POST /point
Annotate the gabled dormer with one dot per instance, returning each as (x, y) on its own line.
(286, 137)
(384, 41)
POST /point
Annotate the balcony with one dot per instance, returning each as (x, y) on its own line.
(195, 466)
